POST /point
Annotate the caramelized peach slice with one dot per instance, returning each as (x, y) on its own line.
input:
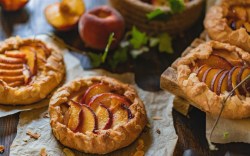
(10, 60)
(209, 76)
(10, 66)
(104, 116)
(233, 58)
(232, 79)
(215, 61)
(121, 115)
(88, 120)
(15, 72)
(16, 83)
(94, 90)
(31, 57)
(240, 13)
(10, 79)
(215, 80)
(74, 115)
(201, 70)
(15, 54)
(222, 84)
(239, 79)
(246, 86)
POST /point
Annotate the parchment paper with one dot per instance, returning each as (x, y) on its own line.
(227, 130)
(71, 63)
(160, 139)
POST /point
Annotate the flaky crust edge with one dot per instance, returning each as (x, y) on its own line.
(107, 140)
(43, 84)
(198, 92)
(216, 25)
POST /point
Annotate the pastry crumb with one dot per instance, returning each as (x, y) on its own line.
(43, 152)
(157, 118)
(148, 125)
(139, 153)
(158, 131)
(68, 152)
(1, 149)
(33, 135)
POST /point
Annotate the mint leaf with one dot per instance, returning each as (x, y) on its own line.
(155, 14)
(96, 59)
(120, 56)
(177, 6)
(110, 40)
(153, 41)
(165, 43)
(138, 39)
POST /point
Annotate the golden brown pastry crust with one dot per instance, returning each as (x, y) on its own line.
(198, 92)
(218, 29)
(42, 84)
(106, 140)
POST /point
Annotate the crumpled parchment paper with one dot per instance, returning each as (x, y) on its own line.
(71, 63)
(160, 139)
(227, 130)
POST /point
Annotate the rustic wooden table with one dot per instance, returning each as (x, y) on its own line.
(147, 68)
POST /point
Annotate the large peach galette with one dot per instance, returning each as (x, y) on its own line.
(210, 72)
(96, 115)
(230, 23)
(29, 70)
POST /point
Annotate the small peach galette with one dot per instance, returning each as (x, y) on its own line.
(210, 72)
(96, 115)
(230, 22)
(29, 70)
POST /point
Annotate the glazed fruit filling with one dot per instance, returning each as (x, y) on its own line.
(222, 72)
(99, 107)
(19, 66)
(239, 17)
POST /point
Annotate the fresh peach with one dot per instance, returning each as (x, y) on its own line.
(13, 5)
(95, 27)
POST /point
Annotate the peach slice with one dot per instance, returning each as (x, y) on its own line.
(246, 85)
(233, 58)
(232, 79)
(15, 54)
(88, 120)
(222, 84)
(239, 79)
(27, 74)
(215, 80)
(74, 115)
(215, 61)
(201, 70)
(10, 60)
(109, 100)
(209, 76)
(10, 66)
(240, 12)
(58, 19)
(14, 72)
(94, 90)
(16, 83)
(104, 116)
(74, 7)
(31, 57)
(10, 79)
(121, 115)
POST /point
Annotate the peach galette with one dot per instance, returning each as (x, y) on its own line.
(210, 72)
(230, 23)
(29, 70)
(96, 115)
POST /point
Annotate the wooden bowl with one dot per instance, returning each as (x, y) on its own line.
(135, 11)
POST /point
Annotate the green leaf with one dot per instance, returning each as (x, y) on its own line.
(177, 6)
(155, 14)
(110, 40)
(153, 41)
(138, 39)
(96, 59)
(225, 135)
(165, 43)
(120, 56)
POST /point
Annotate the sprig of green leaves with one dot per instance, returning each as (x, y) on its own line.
(177, 6)
(138, 38)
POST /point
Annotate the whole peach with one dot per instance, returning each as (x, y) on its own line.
(96, 25)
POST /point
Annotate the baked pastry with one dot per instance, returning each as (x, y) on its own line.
(96, 115)
(209, 72)
(29, 70)
(230, 23)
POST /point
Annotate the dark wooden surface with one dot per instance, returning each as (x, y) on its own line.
(147, 68)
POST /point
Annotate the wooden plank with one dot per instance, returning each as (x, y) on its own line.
(181, 105)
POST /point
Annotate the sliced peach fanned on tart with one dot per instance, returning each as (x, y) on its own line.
(28, 70)
(210, 72)
(230, 22)
(96, 115)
